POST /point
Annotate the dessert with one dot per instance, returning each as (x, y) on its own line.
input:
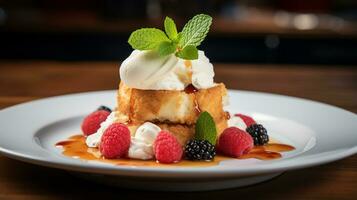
(169, 108)
(166, 92)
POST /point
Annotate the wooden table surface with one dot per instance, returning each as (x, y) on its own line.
(23, 81)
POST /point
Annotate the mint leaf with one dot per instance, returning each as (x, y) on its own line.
(188, 53)
(165, 48)
(195, 31)
(170, 28)
(147, 38)
(179, 36)
(206, 128)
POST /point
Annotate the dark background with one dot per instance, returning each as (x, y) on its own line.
(248, 31)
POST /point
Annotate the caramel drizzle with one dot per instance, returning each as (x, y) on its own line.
(188, 65)
(190, 89)
(76, 147)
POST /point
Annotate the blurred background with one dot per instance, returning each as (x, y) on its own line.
(244, 31)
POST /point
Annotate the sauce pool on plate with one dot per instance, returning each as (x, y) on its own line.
(76, 147)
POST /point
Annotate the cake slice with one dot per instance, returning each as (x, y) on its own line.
(173, 110)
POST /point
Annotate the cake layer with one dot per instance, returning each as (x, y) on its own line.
(170, 106)
(182, 132)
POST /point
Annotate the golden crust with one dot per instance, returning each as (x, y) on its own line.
(138, 106)
(175, 111)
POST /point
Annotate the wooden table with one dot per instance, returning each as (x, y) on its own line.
(28, 80)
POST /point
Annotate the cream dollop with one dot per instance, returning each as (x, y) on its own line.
(147, 132)
(140, 150)
(148, 71)
(141, 146)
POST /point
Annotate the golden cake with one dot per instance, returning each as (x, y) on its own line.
(173, 110)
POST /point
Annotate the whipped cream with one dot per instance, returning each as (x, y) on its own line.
(94, 139)
(237, 122)
(148, 71)
(147, 132)
(140, 150)
(141, 146)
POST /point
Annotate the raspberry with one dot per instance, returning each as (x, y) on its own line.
(235, 142)
(167, 149)
(247, 120)
(92, 122)
(115, 141)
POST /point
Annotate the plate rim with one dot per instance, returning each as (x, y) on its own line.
(174, 172)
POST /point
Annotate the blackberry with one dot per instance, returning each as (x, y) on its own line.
(258, 133)
(200, 150)
(104, 108)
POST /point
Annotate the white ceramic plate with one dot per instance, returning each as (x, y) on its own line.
(320, 133)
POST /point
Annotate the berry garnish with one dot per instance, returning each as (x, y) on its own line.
(234, 142)
(167, 149)
(258, 133)
(92, 122)
(247, 120)
(200, 150)
(104, 108)
(115, 141)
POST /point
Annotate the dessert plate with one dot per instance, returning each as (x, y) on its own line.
(320, 133)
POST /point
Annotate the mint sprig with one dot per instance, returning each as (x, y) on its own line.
(206, 128)
(166, 48)
(195, 31)
(183, 44)
(170, 28)
(147, 38)
(190, 52)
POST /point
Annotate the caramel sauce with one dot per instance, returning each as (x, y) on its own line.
(197, 108)
(76, 147)
(268, 152)
(275, 147)
(261, 155)
(188, 64)
(190, 89)
(228, 115)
